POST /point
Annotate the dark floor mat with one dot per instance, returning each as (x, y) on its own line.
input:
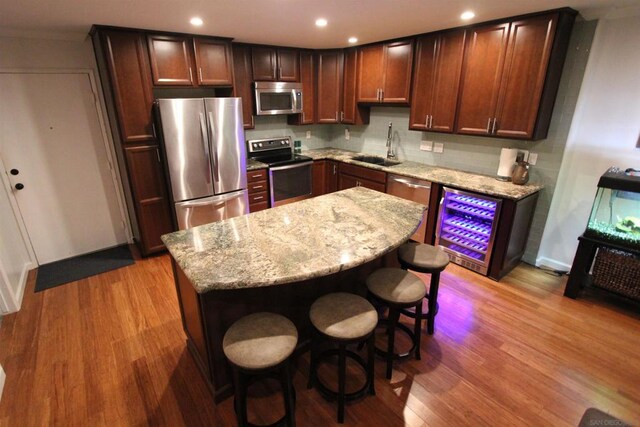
(76, 268)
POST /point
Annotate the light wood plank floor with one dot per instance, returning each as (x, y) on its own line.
(109, 350)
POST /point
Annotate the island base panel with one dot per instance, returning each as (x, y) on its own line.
(218, 309)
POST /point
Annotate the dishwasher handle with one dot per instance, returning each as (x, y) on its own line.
(411, 184)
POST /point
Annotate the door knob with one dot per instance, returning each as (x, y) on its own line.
(19, 186)
(14, 171)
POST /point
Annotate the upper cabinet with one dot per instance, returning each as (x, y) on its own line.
(329, 103)
(308, 80)
(275, 64)
(128, 71)
(510, 76)
(352, 113)
(242, 86)
(183, 61)
(436, 80)
(384, 72)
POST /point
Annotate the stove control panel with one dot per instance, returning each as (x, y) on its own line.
(268, 144)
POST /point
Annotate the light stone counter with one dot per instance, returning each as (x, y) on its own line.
(304, 240)
(463, 180)
(253, 165)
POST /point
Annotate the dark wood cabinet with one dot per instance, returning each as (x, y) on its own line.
(352, 113)
(149, 194)
(258, 187)
(384, 72)
(127, 69)
(331, 176)
(243, 79)
(436, 81)
(356, 176)
(213, 61)
(329, 105)
(170, 60)
(511, 74)
(319, 178)
(186, 61)
(308, 80)
(275, 64)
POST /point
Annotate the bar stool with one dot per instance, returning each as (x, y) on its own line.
(428, 259)
(398, 290)
(256, 346)
(344, 319)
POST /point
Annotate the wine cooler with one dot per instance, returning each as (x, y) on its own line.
(467, 224)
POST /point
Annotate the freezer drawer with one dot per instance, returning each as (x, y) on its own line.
(210, 209)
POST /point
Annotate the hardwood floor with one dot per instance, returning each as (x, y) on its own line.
(110, 350)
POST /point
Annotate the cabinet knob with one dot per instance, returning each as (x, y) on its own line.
(19, 186)
(14, 171)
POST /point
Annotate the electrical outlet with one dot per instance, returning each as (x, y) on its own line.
(308, 134)
(347, 134)
(533, 158)
(426, 145)
(438, 147)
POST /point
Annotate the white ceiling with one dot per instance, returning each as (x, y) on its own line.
(279, 22)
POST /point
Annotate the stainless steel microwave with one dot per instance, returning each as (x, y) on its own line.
(278, 98)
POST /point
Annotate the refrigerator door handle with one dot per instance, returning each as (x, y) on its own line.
(205, 143)
(216, 171)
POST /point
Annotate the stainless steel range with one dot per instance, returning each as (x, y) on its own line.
(289, 173)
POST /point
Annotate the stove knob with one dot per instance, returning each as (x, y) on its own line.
(260, 144)
(283, 142)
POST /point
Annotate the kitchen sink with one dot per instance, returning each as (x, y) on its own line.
(375, 160)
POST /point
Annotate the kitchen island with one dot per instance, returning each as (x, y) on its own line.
(280, 260)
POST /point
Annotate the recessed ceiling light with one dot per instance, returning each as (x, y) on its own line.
(467, 15)
(321, 22)
(353, 40)
(196, 21)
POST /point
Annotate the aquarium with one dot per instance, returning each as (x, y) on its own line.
(615, 214)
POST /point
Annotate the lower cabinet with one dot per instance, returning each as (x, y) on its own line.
(331, 176)
(357, 176)
(258, 187)
(151, 204)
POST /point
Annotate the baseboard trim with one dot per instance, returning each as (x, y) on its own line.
(3, 377)
(552, 264)
(13, 300)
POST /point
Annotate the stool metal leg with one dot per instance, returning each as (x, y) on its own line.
(418, 329)
(433, 301)
(394, 315)
(287, 388)
(341, 381)
(371, 352)
(312, 360)
(240, 398)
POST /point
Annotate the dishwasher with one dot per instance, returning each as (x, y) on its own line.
(416, 190)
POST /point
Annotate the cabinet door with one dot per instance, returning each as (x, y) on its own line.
(370, 67)
(398, 60)
(213, 62)
(372, 185)
(264, 63)
(424, 78)
(318, 181)
(447, 81)
(350, 77)
(329, 86)
(129, 73)
(288, 65)
(346, 181)
(170, 60)
(243, 80)
(149, 194)
(331, 176)
(481, 75)
(528, 51)
(308, 80)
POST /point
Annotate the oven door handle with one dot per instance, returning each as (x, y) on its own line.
(295, 165)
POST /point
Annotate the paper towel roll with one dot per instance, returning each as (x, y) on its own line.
(507, 163)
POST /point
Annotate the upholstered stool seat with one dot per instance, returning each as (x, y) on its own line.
(342, 318)
(428, 259)
(255, 345)
(397, 289)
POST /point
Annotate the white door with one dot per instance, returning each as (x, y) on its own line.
(52, 147)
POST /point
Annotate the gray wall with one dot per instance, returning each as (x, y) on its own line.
(474, 154)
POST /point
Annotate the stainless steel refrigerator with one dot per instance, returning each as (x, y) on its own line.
(205, 158)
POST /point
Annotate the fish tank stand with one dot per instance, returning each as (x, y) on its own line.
(608, 254)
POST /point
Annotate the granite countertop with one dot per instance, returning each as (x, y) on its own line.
(484, 184)
(253, 165)
(299, 241)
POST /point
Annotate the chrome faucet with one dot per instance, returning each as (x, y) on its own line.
(390, 153)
